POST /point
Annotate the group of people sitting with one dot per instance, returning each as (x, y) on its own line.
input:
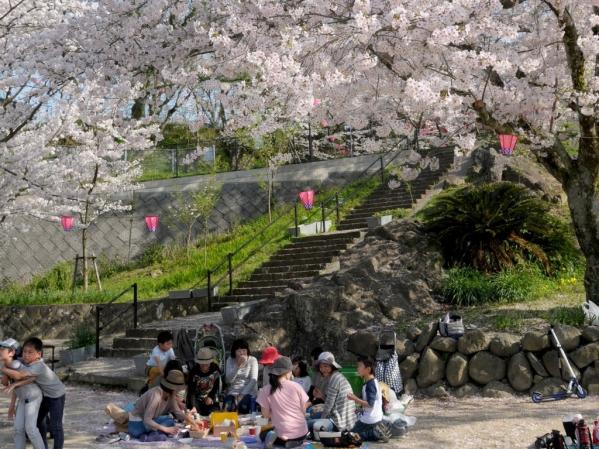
(296, 403)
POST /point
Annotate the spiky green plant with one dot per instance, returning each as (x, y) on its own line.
(494, 227)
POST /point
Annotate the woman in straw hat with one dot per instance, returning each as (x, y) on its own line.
(204, 383)
(150, 412)
(284, 402)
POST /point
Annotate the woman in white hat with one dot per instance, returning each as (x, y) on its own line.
(150, 412)
(204, 383)
(284, 401)
(339, 413)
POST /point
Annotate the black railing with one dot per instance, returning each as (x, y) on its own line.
(100, 307)
(325, 210)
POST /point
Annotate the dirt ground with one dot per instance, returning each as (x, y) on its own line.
(472, 423)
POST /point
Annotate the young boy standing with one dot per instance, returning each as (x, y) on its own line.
(29, 398)
(161, 354)
(52, 388)
(370, 424)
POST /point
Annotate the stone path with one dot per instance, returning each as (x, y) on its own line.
(472, 423)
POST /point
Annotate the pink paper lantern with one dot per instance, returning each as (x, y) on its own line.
(67, 222)
(332, 138)
(152, 222)
(307, 199)
(315, 101)
(508, 144)
(324, 123)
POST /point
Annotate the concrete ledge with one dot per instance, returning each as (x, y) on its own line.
(179, 294)
(107, 372)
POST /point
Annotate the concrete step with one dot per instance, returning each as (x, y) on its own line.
(304, 255)
(289, 268)
(260, 291)
(108, 372)
(142, 333)
(232, 299)
(385, 203)
(123, 353)
(314, 247)
(283, 276)
(145, 343)
(353, 226)
(278, 283)
(296, 261)
(327, 237)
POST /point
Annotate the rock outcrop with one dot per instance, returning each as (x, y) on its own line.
(488, 165)
(390, 275)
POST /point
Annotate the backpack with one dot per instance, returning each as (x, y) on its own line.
(553, 440)
(340, 439)
(451, 325)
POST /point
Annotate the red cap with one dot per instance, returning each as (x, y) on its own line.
(269, 355)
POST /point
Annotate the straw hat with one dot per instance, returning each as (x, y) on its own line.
(204, 355)
(175, 380)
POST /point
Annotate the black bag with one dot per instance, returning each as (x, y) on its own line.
(544, 442)
(340, 439)
(553, 440)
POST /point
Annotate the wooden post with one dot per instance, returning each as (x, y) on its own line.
(97, 331)
(75, 273)
(93, 258)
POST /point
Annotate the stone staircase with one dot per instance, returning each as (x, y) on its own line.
(403, 197)
(299, 261)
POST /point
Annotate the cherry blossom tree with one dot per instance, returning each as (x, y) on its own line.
(95, 177)
(32, 79)
(527, 67)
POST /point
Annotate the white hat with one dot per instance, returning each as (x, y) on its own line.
(328, 358)
(9, 343)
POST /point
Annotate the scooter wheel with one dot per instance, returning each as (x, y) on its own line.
(536, 397)
(581, 392)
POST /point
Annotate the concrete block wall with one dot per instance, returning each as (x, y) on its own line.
(44, 244)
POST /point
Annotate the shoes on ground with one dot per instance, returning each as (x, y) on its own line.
(108, 439)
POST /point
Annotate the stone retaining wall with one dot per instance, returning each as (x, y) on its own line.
(496, 365)
(59, 321)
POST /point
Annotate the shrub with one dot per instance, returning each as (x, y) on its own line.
(153, 254)
(497, 226)
(467, 287)
(82, 336)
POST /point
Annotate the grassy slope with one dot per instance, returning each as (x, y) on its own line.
(165, 268)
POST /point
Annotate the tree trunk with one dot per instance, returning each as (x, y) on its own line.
(584, 209)
(85, 267)
(188, 240)
(206, 242)
(270, 182)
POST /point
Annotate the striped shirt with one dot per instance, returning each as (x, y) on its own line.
(337, 407)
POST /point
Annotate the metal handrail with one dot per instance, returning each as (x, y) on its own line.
(334, 197)
(100, 307)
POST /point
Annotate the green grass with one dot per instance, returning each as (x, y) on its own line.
(468, 287)
(171, 267)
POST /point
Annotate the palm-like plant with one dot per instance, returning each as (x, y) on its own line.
(491, 227)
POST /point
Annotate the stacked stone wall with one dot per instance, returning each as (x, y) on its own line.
(496, 365)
